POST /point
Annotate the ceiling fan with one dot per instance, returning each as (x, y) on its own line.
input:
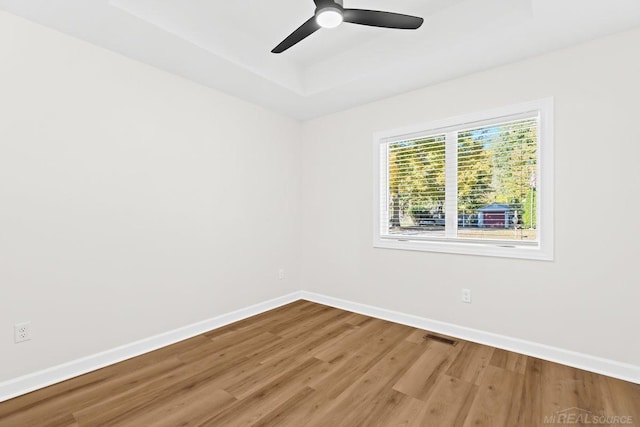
(331, 13)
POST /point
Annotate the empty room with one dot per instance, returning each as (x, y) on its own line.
(358, 213)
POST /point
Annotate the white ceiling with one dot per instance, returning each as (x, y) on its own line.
(226, 44)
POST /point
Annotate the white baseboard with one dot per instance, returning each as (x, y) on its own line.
(28, 383)
(598, 365)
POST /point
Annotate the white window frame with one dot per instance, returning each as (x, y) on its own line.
(541, 250)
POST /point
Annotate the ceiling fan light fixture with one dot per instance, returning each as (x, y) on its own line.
(329, 17)
(331, 13)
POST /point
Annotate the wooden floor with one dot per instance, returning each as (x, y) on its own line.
(306, 364)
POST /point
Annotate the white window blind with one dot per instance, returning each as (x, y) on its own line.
(416, 186)
(473, 183)
(496, 181)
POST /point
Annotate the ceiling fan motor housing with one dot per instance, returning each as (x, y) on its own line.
(329, 13)
(336, 5)
(324, 3)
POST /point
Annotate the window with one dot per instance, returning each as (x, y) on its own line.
(477, 184)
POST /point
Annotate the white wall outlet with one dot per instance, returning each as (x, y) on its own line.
(22, 332)
(466, 296)
(281, 274)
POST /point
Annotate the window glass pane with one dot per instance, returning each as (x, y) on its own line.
(497, 181)
(416, 187)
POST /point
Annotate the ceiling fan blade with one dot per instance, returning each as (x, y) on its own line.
(377, 18)
(304, 31)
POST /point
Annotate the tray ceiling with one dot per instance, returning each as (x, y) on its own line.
(226, 44)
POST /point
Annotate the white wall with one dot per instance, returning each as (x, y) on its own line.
(132, 202)
(587, 299)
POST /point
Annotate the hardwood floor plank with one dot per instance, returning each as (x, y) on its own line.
(81, 384)
(421, 378)
(165, 386)
(372, 334)
(620, 398)
(448, 404)
(265, 320)
(243, 346)
(40, 419)
(471, 362)
(354, 405)
(285, 413)
(532, 391)
(54, 409)
(367, 351)
(356, 319)
(513, 362)
(245, 384)
(587, 390)
(347, 368)
(559, 389)
(497, 402)
(310, 325)
(259, 404)
(306, 364)
(190, 408)
(392, 409)
(284, 325)
(417, 336)
(261, 367)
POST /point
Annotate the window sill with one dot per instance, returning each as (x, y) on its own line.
(537, 252)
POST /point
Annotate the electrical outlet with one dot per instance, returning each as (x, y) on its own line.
(281, 274)
(22, 332)
(466, 296)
